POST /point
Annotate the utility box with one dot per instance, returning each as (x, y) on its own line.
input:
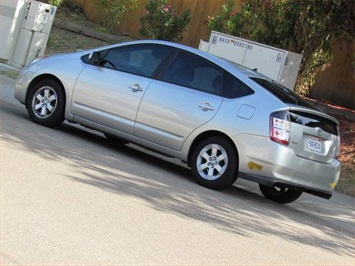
(33, 21)
(11, 14)
(279, 65)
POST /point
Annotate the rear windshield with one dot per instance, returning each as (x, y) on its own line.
(314, 121)
(283, 93)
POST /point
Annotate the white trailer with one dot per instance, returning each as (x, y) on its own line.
(279, 65)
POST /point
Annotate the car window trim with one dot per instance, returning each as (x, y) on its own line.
(163, 66)
(103, 54)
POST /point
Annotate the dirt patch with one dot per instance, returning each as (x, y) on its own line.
(347, 157)
(70, 43)
(62, 41)
(71, 31)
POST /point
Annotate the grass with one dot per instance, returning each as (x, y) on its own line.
(9, 73)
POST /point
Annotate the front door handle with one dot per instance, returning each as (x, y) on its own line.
(206, 106)
(135, 87)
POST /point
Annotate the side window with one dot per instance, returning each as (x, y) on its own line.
(234, 88)
(140, 60)
(191, 71)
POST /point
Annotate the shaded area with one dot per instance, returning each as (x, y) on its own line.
(122, 170)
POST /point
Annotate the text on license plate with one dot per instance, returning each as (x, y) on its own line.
(314, 144)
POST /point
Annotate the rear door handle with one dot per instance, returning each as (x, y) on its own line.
(206, 106)
(135, 87)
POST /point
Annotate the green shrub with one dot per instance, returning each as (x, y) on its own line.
(304, 27)
(161, 22)
(113, 12)
(55, 2)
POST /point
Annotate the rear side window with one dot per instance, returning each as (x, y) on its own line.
(282, 93)
(191, 71)
(234, 88)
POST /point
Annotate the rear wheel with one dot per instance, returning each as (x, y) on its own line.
(279, 194)
(215, 163)
(46, 103)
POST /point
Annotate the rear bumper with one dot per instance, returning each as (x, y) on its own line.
(270, 163)
(276, 182)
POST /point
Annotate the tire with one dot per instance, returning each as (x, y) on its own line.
(46, 103)
(214, 163)
(280, 195)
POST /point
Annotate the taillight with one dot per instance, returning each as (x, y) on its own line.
(280, 126)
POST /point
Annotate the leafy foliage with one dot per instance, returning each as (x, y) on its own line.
(304, 27)
(55, 2)
(160, 21)
(113, 12)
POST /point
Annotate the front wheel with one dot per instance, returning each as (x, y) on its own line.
(215, 163)
(279, 194)
(46, 103)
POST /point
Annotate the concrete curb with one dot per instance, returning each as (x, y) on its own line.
(6, 67)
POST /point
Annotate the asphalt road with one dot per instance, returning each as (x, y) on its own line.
(69, 197)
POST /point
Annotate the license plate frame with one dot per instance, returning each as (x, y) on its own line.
(314, 144)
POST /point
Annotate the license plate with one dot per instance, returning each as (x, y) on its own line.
(314, 144)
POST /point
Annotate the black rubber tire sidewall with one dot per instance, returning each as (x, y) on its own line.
(57, 117)
(229, 176)
(287, 197)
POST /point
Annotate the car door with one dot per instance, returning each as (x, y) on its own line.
(186, 96)
(110, 92)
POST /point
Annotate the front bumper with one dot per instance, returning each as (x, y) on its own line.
(22, 82)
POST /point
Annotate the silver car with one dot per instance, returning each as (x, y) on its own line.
(224, 121)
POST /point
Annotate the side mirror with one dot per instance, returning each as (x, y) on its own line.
(94, 58)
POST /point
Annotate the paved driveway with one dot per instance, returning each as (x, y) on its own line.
(68, 197)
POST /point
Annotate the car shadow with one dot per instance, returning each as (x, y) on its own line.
(166, 186)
